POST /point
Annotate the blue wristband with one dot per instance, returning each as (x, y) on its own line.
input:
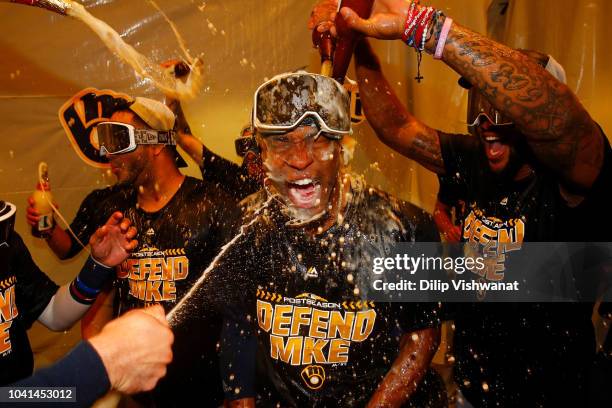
(93, 276)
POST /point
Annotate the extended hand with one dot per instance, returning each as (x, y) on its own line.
(135, 349)
(386, 20)
(111, 243)
(324, 12)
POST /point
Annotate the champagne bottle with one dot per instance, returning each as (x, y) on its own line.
(347, 38)
(42, 202)
(325, 44)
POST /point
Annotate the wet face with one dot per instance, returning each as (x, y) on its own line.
(129, 167)
(302, 168)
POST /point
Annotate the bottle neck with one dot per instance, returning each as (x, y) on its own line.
(43, 186)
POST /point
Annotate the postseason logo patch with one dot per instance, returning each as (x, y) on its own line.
(80, 115)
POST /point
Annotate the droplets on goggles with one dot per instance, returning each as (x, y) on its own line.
(282, 103)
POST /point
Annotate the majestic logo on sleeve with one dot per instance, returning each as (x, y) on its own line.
(8, 312)
(496, 239)
(310, 331)
(152, 273)
(79, 117)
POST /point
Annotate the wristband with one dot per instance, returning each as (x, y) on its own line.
(410, 22)
(442, 39)
(90, 281)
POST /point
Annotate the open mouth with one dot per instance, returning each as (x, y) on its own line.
(304, 192)
(495, 150)
(493, 146)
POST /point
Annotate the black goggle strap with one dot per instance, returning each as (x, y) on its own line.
(147, 136)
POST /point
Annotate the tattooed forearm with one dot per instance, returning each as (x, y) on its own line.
(557, 127)
(391, 121)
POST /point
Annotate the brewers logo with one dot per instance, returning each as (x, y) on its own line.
(8, 312)
(310, 331)
(79, 117)
(313, 376)
(152, 273)
(496, 238)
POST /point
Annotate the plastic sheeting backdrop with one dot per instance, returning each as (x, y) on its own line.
(46, 58)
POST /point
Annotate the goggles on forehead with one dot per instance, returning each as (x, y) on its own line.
(282, 103)
(118, 138)
(480, 110)
(7, 221)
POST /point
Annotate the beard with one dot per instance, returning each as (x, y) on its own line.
(515, 162)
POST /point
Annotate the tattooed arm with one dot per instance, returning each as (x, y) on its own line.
(394, 125)
(558, 129)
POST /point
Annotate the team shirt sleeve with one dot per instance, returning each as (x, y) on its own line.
(85, 223)
(34, 288)
(82, 368)
(227, 175)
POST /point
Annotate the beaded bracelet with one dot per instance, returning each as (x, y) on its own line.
(416, 29)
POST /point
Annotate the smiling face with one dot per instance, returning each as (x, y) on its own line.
(494, 130)
(302, 168)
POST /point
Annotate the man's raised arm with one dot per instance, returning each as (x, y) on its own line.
(391, 121)
(557, 127)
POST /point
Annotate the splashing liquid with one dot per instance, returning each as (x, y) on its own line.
(174, 315)
(162, 78)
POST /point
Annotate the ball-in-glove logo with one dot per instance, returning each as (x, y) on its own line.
(313, 376)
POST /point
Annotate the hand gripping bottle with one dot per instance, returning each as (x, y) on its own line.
(347, 38)
(42, 202)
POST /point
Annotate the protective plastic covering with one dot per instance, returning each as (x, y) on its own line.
(46, 58)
